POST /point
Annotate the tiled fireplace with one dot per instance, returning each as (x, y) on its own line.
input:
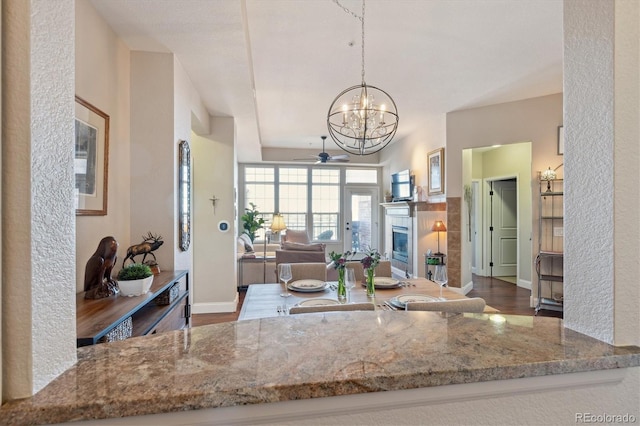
(408, 232)
(400, 239)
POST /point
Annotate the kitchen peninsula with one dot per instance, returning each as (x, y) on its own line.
(336, 364)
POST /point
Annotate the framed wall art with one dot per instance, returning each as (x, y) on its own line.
(184, 194)
(435, 171)
(91, 161)
(560, 140)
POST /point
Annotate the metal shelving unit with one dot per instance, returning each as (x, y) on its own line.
(549, 261)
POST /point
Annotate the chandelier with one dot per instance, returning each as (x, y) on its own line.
(362, 119)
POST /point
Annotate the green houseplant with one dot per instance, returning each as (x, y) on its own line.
(135, 279)
(251, 221)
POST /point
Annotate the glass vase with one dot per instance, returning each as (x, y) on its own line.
(342, 289)
(371, 289)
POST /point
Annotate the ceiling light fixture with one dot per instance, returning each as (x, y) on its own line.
(362, 119)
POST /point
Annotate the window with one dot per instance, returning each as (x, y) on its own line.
(292, 196)
(361, 176)
(325, 203)
(259, 189)
(309, 198)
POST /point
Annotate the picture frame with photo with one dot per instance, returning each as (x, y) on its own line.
(560, 140)
(435, 172)
(91, 161)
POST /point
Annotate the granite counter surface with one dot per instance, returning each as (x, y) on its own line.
(309, 356)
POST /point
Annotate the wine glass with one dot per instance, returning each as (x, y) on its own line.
(349, 281)
(440, 277)
(285, 275)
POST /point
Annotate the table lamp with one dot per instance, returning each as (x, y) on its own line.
(277, 224)
(549, 175)
(438, 227)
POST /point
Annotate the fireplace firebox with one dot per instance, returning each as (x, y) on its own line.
(400, 241)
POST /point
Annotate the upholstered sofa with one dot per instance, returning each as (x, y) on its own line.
(296, 247)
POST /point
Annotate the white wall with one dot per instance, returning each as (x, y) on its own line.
(214, 262)
(627, 171)
(506, 161)
(38, 294)
(601, 201)
(411, 153)
(531, 120)
(102, 69)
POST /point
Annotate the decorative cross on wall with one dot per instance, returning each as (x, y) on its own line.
(213, 201)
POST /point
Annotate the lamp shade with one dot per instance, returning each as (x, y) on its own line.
(438, 226)
(278, 224)
(548, 174)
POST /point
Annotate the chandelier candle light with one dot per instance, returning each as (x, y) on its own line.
(362, 119)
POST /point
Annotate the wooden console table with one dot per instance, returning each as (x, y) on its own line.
(97, 317)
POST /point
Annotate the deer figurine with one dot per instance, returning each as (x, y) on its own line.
(151, 242)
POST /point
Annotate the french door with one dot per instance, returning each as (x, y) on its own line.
(361, 219)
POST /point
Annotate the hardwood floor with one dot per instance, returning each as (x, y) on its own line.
(502, 295)
(204, 319)
(506, 296)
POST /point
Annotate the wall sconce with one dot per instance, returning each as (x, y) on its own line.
(439, 227)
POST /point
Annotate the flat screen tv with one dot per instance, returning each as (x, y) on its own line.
(402, 186)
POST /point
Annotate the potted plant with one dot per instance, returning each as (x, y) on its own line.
(251, 221)
(388, 197)
(135, 279)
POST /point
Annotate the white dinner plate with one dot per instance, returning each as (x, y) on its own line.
(318, 302)
(307, 285)
(384, 282)
(401, 300)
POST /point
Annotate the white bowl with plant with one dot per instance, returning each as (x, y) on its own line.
(135, 279)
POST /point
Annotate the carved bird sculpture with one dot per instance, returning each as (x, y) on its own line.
(97, 274)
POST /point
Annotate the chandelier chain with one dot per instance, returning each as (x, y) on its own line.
(362, 119)
(361, 19)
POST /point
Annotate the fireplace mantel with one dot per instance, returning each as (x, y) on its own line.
(408, 208)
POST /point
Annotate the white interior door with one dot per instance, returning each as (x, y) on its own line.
(475, 231)
(361, 219)
(504, 237)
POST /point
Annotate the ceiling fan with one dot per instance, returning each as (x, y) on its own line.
(324, 157)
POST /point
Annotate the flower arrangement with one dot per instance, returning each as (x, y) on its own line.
(339, 260)
(369, 262)
(371, 259)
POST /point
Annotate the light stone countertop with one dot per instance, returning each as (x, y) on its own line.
(309, 356)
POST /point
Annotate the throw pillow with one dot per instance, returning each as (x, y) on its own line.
(293, 236)
(303, 247)
(246, 241)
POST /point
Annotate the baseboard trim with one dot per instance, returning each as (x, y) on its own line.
(465, 288)
(215, 308)
(524, 284)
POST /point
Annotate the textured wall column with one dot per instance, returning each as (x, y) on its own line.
(590, 219)
(38, 217)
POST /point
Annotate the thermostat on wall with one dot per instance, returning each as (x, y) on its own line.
(223, 226)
